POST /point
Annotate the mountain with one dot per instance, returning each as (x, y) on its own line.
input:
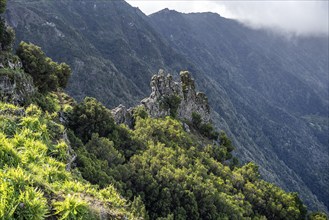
(106, 42)
(268, 93)
(278, 88)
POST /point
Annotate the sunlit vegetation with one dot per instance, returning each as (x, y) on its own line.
(47, 75)
(65, 160)
(34, 179)
(176, 177)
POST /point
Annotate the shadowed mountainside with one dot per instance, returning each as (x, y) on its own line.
(269, 94)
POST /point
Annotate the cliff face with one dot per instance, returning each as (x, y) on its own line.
(169, 98)
(16, 87)
(176, 98)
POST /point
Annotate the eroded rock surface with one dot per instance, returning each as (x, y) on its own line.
(169, 98)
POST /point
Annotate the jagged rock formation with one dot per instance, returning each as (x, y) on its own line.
(172, 98)
(178, 99)
(122, 115)
(15, 86)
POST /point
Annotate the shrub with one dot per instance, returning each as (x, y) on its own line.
(90, 117)
(47, 75)
(8, 155)
(3, 6)
(171, 103)
(32, 205)
(196, 120)
(8, 200)
(71, 208)
(140, 111)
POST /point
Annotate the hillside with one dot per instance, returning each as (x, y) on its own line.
(162, 159)
(276, 86)
(108, 43)
(50, 147)
(268, 94)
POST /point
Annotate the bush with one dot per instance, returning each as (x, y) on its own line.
(32, 205)
(71, 208)
(171, 103)
(90, 117)
(8, 155)
(7, 36)
(196, 120)
(3, 6)
(47, 75)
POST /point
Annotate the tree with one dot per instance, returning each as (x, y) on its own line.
(90, 117)
(47, 75)
(7, 34)
(3, 6)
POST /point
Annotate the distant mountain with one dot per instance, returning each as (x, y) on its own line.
(277, 90)
(269, 94)
(108, 43)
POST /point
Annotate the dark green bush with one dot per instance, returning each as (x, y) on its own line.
(171, 103)
(89, 117)
(47, 75)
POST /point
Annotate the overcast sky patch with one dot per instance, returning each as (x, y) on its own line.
(289, 17)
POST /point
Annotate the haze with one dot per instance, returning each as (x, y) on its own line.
(301, 18)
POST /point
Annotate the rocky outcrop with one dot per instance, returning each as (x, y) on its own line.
(169, 98)
(16, 90)
(15, 86)
(8, 60)
(122, 115)
(178, 99)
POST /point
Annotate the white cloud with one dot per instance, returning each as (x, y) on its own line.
(291, 17)
(296, 17)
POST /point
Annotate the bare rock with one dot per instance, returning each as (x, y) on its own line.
(16, 89)
(169, 98)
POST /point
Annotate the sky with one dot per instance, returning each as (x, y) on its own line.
(302, 17)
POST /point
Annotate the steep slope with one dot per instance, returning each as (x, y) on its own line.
(277, 90)
(114, 50)
(107, 43)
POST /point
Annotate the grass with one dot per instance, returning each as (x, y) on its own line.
(34, 183)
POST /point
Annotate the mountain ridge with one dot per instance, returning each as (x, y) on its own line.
(123, 61)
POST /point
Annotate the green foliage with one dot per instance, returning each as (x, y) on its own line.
(140, 111)
(34, 182)
(8, 154)
(46, 101)
(175, 180)
(138, 208)
(206, 129)
(7, 36)
(89, 117)
(317, 216)
(71, 208)
(47, 75)
(103, 149)
(171, 103)
(196, 120)
(3, 6)
(32, 205)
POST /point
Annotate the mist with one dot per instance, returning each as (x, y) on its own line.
(296, 18)
(287, 17)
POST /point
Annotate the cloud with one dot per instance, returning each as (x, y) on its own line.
(294, 17)
(289, 17)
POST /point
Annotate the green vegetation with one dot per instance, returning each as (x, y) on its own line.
(171, 103)
(7, 34)
(175, 177)
(3, 6)
(206, 129)
(53, 150)
(34, 177)
(47, 75)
